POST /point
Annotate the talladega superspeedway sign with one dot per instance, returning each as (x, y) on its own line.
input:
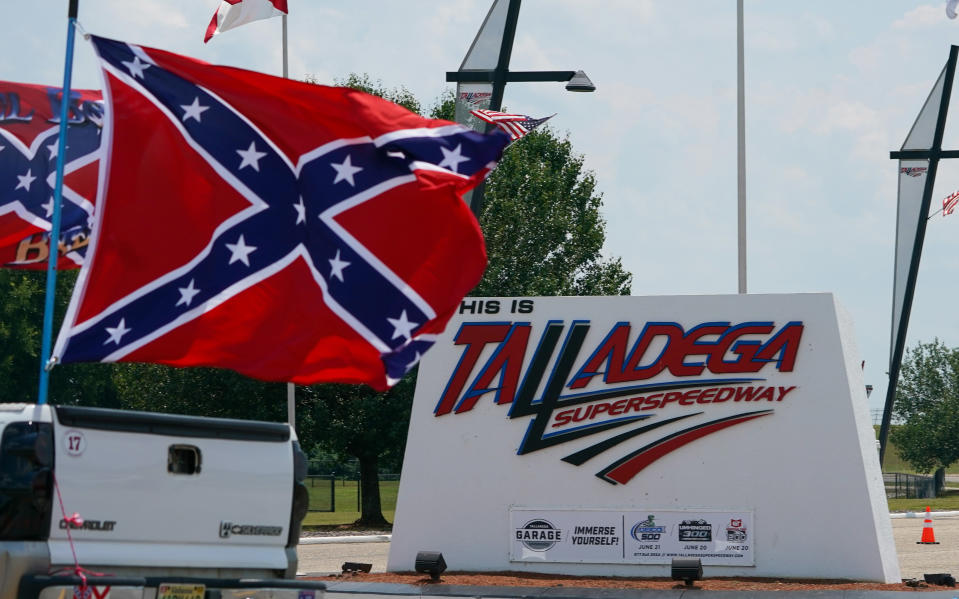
(609, 435)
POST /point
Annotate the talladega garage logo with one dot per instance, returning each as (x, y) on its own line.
(605, 386)
(539, 535)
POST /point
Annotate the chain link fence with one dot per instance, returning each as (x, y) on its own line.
(331, 493)
(909, 486)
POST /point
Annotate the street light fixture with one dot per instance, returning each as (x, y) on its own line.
(580, 83)
(483, 76)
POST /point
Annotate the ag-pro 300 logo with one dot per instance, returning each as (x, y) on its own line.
(710, 364)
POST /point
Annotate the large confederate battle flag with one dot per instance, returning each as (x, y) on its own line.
(288, 231)
(29, 130)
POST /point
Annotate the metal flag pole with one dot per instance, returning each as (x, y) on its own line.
(286, 61)
(290, 387)
(54, 253)
(741, 144)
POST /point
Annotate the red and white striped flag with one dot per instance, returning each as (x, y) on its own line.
(233, 13)
(515, 125)
(949, 203)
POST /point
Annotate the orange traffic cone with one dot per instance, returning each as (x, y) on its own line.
(928, 536)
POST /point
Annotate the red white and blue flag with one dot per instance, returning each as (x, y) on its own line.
(288, 231)
(515, 125)
(29, 137)
(233, 13)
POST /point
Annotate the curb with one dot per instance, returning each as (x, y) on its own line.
(952, 514)
(349, 539)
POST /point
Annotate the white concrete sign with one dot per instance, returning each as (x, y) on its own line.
(703, 410)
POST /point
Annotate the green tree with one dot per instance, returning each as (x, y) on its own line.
(199, 392)
(927, 401)
(356, 421)
(542, 223)
(21, 322)
(22, 301)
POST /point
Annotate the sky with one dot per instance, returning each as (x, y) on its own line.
(831, 88)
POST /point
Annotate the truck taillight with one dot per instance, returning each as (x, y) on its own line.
(26, 480)
(301, 498)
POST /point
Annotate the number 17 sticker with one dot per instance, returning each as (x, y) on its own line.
(74, 442)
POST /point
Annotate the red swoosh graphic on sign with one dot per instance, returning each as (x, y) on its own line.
(623, 470)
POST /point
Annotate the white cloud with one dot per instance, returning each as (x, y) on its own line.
(157, 14)
(927, 15)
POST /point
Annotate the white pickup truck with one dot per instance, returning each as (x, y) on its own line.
(157, 506)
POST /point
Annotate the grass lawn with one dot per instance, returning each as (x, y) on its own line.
(948, 501)
(345, 495)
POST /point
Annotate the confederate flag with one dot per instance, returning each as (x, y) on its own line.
(288, 231)
(233, 13)
(29, 142)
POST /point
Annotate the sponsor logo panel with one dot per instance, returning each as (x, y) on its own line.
(605, 536)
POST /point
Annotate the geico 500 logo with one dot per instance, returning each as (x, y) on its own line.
(647, 530)
(539, 535)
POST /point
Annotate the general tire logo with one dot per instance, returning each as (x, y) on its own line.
(647, 530)
(695, 530)
(599, 388)
(539, 535)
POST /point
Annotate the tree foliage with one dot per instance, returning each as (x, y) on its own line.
(21, 318)
(927, 401)
(355, 421)
(543, 229)
(22, 302)
(541, 221)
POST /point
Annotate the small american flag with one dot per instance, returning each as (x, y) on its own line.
(949, 203)
(515, 125)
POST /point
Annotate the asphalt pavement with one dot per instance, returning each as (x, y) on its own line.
(916, 559)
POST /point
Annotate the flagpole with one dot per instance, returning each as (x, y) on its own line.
(286, 61)
(290, 387)
(54, 243)
(741, 145)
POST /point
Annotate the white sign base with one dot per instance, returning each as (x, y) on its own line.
(740, 418)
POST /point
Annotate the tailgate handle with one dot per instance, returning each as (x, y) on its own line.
(184, 459)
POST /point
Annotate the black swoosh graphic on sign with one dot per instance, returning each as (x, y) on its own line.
(580, 457)
(625, 468)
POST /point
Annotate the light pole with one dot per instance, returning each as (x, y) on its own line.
(482, 78)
